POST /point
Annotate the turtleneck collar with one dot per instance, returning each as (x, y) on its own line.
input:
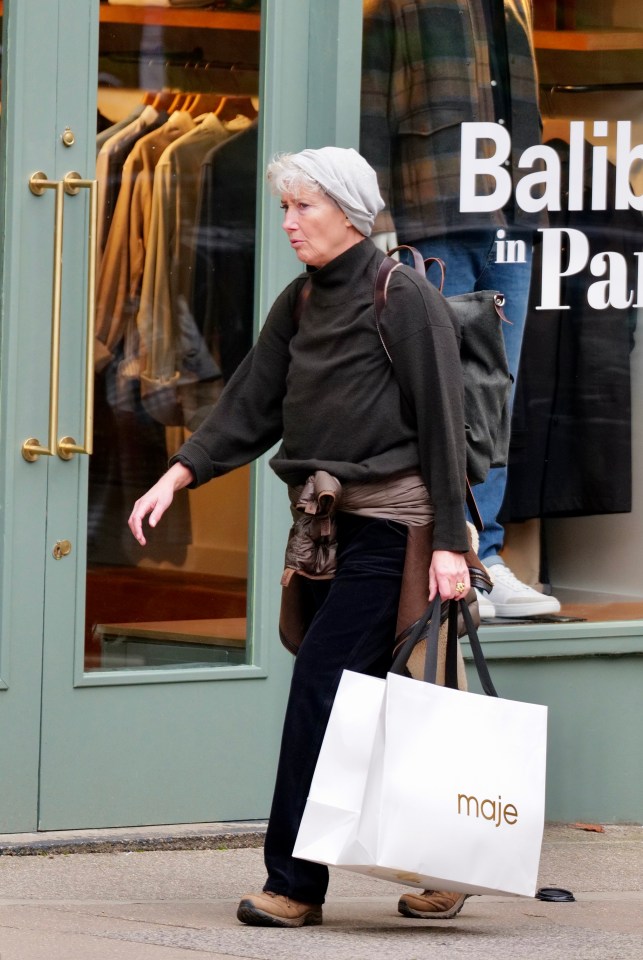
(332, 279)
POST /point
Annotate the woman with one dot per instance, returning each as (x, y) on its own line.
(322, 383)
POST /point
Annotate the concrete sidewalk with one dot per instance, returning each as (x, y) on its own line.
(137, 903)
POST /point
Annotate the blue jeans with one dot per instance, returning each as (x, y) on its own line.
(472, 264)
(353, 629)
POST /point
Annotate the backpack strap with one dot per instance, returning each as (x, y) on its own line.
(476, 516)
(386, 269)
(418, 261)
(443, 269)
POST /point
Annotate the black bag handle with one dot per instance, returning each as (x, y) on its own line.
(474, 642)
(428, 627)
(416, 634)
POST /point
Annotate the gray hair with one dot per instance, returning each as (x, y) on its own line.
(339, 172)
(286, 177)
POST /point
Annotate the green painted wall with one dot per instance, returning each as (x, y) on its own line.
(592, 686)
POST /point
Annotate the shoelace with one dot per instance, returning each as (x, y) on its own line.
(505, 576)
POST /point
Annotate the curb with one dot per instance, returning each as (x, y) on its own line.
(220, 837)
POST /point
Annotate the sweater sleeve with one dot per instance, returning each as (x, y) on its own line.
(247, 418)
(422, 337)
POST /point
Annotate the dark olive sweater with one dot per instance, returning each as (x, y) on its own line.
(327, 390)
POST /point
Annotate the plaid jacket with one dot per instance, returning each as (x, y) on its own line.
(425, 71)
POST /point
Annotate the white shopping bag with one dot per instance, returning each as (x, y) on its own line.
(332, 815)
(430, 787)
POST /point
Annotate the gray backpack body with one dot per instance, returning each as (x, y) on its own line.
(487, 382)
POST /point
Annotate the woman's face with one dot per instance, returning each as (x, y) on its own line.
(317, 227)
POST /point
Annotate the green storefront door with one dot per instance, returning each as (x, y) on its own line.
(137, 687)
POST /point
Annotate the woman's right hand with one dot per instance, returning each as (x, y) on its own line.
(158, 498)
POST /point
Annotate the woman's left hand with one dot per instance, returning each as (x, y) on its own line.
(448, 575)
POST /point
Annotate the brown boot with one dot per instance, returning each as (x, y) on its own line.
(269, 909)
(431, 904)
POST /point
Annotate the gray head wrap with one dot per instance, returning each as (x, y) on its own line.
(346, 176)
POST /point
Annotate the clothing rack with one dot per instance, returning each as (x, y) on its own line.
(590, 87)
(180, 70)
(194, 60)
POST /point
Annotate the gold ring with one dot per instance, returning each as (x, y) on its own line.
(459, 587)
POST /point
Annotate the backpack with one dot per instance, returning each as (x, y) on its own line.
(478, 317)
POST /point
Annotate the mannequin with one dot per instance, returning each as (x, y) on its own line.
(429, 67)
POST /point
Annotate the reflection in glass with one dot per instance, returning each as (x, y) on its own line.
(573, 510)
(577, 453)
(177, 171)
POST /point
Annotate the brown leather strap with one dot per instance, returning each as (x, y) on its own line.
(418, 261)
(473, 508)
(386, 268)
(428, 263)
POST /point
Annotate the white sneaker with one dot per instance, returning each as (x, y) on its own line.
(486, 609)
(512, 598)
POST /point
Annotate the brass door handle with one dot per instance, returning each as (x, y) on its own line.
(66, 447)
(32, 448)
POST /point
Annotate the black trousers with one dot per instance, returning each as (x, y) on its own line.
(353, 629)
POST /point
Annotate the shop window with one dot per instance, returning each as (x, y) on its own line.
(572, 512)
(177, 169)
(591, 89)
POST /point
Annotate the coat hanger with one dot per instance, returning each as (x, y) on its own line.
(163, 99)
(177, 102)
(231, 106)
(203, 103)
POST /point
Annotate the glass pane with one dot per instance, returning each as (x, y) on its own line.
(177, 172)
(571, 518)
(589, 364)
